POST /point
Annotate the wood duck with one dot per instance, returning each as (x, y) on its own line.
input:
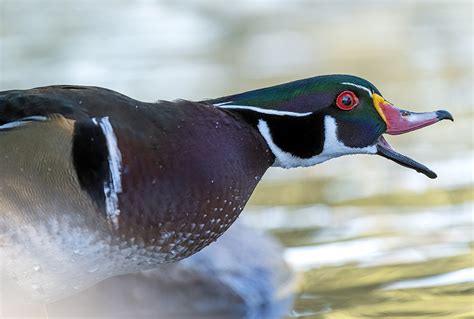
(96, 184)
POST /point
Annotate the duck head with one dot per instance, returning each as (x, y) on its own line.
(309, 121)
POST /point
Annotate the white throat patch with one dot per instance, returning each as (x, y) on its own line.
(332, 147)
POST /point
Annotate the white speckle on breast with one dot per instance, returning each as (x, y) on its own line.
(43, 259)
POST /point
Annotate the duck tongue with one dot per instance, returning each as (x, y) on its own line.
(384, 149)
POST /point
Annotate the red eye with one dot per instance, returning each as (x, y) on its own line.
(347, 100)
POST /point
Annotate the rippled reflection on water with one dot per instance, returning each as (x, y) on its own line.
(367, 237)
(374, 262)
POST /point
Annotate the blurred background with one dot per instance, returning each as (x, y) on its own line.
(367, 238)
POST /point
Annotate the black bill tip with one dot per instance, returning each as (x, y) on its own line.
(384, 149)
(444, 115)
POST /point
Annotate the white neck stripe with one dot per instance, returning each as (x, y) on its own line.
(360, 87)
(260, 110)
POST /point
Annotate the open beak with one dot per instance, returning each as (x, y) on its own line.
(400, 121)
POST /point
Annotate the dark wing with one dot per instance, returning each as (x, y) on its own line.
(86, 107)
(78, 103)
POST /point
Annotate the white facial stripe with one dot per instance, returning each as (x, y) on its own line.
(260, 110)
(23, 121)
(223, 103)
(335, 148)
(114, 187)
(360, 87)
(332, 147)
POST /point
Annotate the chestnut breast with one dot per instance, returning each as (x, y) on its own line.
(188, 169)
